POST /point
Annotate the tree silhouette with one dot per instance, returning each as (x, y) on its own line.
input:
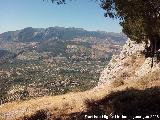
(140, 19)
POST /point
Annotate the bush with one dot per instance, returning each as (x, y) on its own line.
(153, 76)
(118, 82)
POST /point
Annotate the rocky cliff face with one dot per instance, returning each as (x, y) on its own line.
(130, 64)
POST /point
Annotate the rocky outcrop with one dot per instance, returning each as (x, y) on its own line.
(130, 63)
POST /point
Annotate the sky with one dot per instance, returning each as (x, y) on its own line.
(87, 14)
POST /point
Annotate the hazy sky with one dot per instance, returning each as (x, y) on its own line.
(18, 14)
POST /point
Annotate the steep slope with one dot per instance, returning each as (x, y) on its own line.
(126, 87)
(77, 105)
(130, 64)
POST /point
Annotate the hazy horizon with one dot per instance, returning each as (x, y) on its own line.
(60, 27)
(19, 14)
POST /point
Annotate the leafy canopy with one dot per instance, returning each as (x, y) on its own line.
(140, 19)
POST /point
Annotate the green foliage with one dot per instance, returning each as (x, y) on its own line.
(135, 31)
(143, 12)
(140, 19)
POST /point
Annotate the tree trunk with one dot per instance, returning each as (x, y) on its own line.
(152, 51)
(153, 44)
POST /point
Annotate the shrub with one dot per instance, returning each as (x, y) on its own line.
(153, 76)
(118, 82)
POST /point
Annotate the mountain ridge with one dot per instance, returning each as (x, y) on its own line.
(39, 34)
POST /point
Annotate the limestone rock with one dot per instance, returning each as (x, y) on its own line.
(130, 63)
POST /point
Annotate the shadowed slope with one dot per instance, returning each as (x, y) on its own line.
(103, 100)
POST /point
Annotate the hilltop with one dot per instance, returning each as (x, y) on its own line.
(128, 86)
(30, 34)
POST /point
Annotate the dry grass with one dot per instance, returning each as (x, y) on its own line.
(129, 102)
(118, 82)
(153, 76)
(120, 98)
(131, 64)
(75, 105)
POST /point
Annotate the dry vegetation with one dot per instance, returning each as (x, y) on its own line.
(151, 77)
(129, 99)
(117, 83)
(136, 97)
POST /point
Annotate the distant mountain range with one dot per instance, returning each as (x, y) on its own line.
(30, 34)
(54, 60)
(74, 43)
